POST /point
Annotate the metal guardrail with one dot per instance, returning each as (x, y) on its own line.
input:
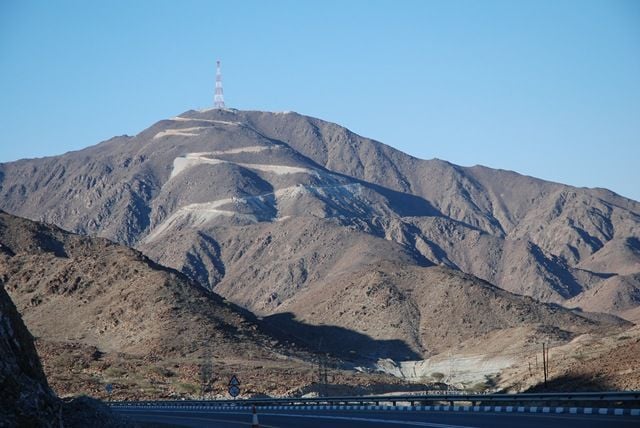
(620, 399)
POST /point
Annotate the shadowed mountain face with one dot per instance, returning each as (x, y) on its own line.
(261, 206)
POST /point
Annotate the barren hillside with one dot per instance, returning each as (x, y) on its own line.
(221, 179)
(104, 313)
(331, 237)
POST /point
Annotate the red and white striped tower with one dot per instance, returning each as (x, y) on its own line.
(218, 99)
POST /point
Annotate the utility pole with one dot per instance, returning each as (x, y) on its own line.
(323, 372)
(323, 375)
(548, 365)
(449, 379)
(218, 99)
(544, 364)
(206, 373)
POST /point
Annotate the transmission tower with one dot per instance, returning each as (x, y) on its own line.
(218, 99)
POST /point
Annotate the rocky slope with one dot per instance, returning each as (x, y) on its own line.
(330, 237)
(430, 309)
(104, 313)
(70, 287)
(230, 183)
(587, 363)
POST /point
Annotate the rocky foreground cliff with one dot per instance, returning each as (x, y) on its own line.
(25, 396)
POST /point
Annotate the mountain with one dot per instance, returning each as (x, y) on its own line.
(326, 237)
(281, 200)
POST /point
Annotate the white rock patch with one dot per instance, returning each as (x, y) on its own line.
(185, 132)
(196, 215)
(191, 119)
(458, 369)
(183, 163)
(190, 160)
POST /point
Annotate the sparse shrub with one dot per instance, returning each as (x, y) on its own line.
(580, 356)
(114, 372)
(161, 371)
(63, 360)
(186, 388)
(488, 383)
(437, 376)
(478, 387)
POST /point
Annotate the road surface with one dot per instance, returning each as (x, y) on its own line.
(384, 419)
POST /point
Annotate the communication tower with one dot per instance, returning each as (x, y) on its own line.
(218, 99)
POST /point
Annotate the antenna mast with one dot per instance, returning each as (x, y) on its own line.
(218, 99)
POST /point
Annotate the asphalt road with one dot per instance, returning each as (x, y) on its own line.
(360, 419)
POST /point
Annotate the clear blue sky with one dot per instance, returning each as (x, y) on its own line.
(545, 88)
